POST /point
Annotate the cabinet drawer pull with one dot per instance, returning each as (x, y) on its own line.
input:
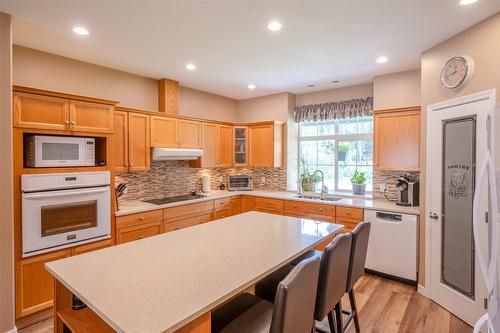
(348, 212)
(295, 206)
(321, 209)
(141, 237)
(141, 218)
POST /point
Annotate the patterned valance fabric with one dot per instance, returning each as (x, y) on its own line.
(356, 107)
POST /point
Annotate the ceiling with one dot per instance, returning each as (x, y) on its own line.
(229, 43)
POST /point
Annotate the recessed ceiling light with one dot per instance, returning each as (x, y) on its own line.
(251, 86)
(335, 81)
(382, 59)
(466, 2)
(80, 31)
(274, 26)
(190, 67)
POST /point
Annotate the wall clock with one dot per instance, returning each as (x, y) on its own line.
(457, 72)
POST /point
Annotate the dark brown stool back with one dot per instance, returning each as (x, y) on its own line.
(332, 279)
(295, 298)
(360, 236)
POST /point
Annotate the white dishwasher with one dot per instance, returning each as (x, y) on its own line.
(392, 246)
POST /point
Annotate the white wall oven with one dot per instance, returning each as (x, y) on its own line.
(60, 210)
(59, 151)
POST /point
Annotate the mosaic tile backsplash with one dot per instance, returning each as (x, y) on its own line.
(169, 178)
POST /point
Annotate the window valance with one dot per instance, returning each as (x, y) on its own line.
(356, 107)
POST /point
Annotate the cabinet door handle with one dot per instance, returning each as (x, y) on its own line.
(66, 122)
(141, 218)
(141, 237)
(348, 213)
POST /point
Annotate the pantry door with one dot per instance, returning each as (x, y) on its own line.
(458, 133)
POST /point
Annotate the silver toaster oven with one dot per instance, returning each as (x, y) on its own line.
(239, 183)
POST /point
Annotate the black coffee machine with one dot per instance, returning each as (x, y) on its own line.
(408, 191)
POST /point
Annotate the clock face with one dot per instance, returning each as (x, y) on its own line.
(456, 72)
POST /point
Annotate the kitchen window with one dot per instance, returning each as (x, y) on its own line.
(338, 148)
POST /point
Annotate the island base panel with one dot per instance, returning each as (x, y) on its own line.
(85, 320)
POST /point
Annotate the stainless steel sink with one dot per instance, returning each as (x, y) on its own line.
(313, 197)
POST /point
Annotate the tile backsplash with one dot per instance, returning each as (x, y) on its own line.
(391, 179)
(168, 178)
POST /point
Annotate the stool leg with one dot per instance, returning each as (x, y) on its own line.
(354, 309)
(331, 322)
(338, 312)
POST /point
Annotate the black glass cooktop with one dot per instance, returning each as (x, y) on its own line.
(177, 198)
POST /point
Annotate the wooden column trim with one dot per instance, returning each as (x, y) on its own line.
(168, 96)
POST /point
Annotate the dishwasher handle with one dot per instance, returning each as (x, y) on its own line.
(389, 217)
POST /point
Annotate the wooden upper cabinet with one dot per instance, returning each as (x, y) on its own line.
(120, 141)
(396, 138)
(138, 142)
(225, 145)
(91, 117)
(189, 133)
(209, 145)
(164, 132)
(168, 96)
(265, 143)
(41, 112)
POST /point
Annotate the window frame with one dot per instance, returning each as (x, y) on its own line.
(336, 138)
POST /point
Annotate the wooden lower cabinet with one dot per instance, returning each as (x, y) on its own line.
(268, 205)
(34, 285)
(220, 214)
(247, 204)
(236, 205)
(187, 222)
(141, 231)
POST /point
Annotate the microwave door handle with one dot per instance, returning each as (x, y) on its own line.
(64, 193)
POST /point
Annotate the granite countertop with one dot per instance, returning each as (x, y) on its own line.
(161, 283)
(131, 207)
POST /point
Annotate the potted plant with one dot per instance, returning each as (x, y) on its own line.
(307, 180)
(358, 181)
(343, 149)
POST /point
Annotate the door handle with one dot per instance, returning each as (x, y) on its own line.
(434, 216)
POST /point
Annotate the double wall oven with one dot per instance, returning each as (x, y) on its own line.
(60, 210)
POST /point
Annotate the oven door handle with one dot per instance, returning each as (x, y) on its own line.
(64, 193)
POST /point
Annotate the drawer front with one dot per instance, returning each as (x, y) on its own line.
(222, 213)
(316, 217)
(188, 222)
(138, 232)
(309, 207)
(139, 218)
(349, 224)
(274, 205)
(169, 213)
(350, 213)
(220, 204)
(269, 210)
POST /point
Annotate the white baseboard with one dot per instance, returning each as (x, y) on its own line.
(422, 291)
(14, 330)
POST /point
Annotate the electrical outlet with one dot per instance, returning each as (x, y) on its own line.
(383, 187)
(262, 180)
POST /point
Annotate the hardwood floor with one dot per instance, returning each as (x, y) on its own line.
(385, 306)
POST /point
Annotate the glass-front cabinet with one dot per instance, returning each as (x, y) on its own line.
(240, 146)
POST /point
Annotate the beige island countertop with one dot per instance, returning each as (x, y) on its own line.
(161, 283)
(132, 207)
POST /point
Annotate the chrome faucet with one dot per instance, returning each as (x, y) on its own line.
(324, 188)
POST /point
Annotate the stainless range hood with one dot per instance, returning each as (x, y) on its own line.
(175, 154)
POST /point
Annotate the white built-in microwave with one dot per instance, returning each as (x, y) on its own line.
(59, 151)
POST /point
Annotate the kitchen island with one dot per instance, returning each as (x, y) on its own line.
(171, 282)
